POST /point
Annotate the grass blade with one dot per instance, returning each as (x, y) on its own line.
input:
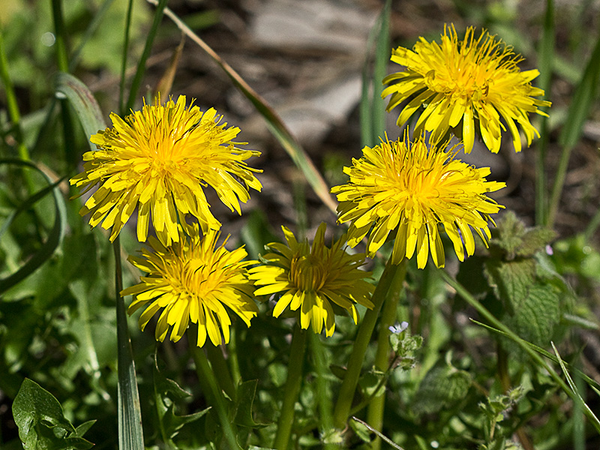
(584, 96)
(131, 434)
(546, 58)
(141, 68)
(83, 102)
(274, 122)
(372, 106)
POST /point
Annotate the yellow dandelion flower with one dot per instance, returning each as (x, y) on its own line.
(407, 187)
(460, 83)
(311, 278)
(193, 280)
(161, 158)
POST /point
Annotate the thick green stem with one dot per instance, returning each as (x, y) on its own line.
(323, 391)
(292, 389)
(221, 370)
(213, 393)
(346, 395)
(382, 357)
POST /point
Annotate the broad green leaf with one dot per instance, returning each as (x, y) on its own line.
(443, 386)
(510, 281)
(84, 103)
(41, 421)
(537, 316)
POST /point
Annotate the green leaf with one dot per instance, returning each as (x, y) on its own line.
(41, 421)
(443, 386)
(510, 281)
(83, 101)
(537, 315)
(167, 392)
(514, 239)
(54, 238)
(246, 392)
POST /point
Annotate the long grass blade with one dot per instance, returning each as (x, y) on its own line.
(131, 434)
(84, 103)
(585, 95)
(545, 65)
(89, 32)
(141, 68)
(273, 121)
(128, 19)
(573, 386)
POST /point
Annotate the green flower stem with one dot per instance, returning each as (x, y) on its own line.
(292, 389)
(346, 395)
(234, 362)
(494, 322)
(382, 357)
(131, 434)
(324, 399)
(213, 393)
(221, 370)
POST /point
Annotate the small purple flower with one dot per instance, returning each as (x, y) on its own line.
(399, 327)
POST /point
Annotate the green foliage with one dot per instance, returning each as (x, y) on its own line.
(443, 386)
(41, 421)
(532, 298)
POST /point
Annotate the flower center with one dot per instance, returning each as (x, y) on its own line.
(307, 273)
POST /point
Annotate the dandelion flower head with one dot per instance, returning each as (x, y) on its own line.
(410, 188)
(160, 159)
(310, 279)
(193, 280)
(462, 83)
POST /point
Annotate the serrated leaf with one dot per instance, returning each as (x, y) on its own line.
(166, 392)
(41, 421)
(510, 281)
(514, 239)
(245, 400)
(537, 315)
(534, 240)
(443, 386)
(508, 236)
